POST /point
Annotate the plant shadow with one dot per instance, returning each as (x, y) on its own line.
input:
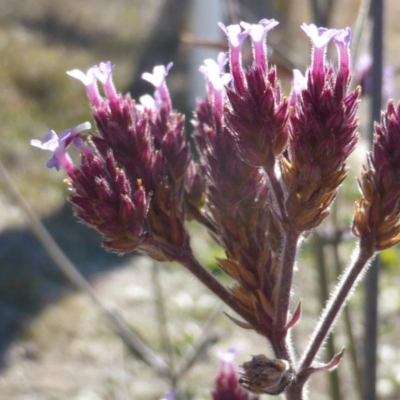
(30, 280)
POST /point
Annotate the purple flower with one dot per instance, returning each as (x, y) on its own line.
(320, 38)
(59, 145)
(89, 79)
(342, 40)
(169, 396)
(299, 82)
(363, 77)
(157, 79)
(236, 37)
(227, 385)
(216, 80)
(103, 73)
(258, 33)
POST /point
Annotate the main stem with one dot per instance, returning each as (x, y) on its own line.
(288, 259)
(335, 305)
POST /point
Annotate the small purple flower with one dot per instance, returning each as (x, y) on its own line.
(342, 40)
(363, 77)
(320, 38)
(157, 79)
(89, 79)
(258, 33)
(103, 73)
(59, 145)
(227, 385)
(236, 37)
(147, 102)
(169, 396)
(216, 80)
(299, 82)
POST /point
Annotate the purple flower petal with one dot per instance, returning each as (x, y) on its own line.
(299, 83)
(216, 80)
(58, 145)
(342, 41)
(157, 79)
(236, 37)
(89, 79)
(228, 356)
(258, 33)
(320, 38)
(103, 73)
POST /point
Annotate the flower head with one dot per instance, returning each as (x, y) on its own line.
(377, 213)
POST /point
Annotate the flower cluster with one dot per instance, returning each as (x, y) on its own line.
(130, 185)
(268, 170)
(377, 213)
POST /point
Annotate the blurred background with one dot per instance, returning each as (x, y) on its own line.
(55, 343)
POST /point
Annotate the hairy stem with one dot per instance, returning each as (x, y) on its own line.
(336, 303)
(296, 391)
(349, 329)
(288, 259)
(320, 257)
(278, 195)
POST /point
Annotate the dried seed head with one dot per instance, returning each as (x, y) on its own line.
(265, 375)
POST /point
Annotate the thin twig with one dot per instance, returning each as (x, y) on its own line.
(203, 342)
(361, 22)
(72, 273)
(162, 320)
